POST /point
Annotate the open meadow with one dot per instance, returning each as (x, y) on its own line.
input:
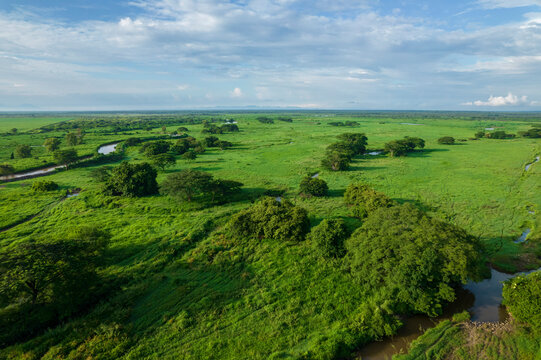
(177, 285)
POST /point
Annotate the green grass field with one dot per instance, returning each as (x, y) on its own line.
(186, 291)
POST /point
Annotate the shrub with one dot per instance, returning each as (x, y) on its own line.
(44, 185)
(313, 186)
(446, 140)
(65, 157)
(534, 133)
(133, 141)
(364, 200)
(189, 155)
(500, 134)
(271, 219)
(132, 180)
(522, 296)
(479, 134)
(51, 144)
(328, 238)
(265, 120)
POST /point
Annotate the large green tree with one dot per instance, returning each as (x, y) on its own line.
(23, 151)
(412, 258)
(65, 157)
(187, 184)
(132, 180)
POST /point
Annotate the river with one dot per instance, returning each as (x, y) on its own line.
(104, 150)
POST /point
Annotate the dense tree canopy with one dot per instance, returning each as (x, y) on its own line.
(328, 238)
(336, 161)
(272, 219)
(313, 186)
(132, 180)
(355, 141)
(363, 200)
(404, 146)
(414, 258)
(522, 296)
(153, 148)
(162, 161)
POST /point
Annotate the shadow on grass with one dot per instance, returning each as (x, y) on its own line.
(336, 193)
(418, 204)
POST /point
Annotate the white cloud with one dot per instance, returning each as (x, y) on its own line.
(236, 93)
(509, 100)
(495, 4)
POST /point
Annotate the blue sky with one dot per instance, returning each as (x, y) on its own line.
(322, 54)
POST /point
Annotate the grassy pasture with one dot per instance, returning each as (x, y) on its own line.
(189, 292)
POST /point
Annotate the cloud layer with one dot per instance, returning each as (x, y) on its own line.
(333, 54)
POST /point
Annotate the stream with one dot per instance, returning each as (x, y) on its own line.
(482, 300)
(528, 166)
(104, 150)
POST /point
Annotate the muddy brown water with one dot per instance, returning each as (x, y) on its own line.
(482, 300)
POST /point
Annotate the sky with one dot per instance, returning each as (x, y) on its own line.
(307, 54)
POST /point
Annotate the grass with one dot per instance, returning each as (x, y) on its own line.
(187, 291)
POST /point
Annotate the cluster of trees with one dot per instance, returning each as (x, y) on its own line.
(522, 296)
(313, 186)
(265, 120)
(412, 259)
(44, 185)
(194, 185)
(285, 119)
(446, 140)
(209, 128)
(404, 146)
(534, 132)
(131, 180)
(213, 141)
(269, 218)
(328, 238)
(46, 280)
(346, 123)
(499, 134)
(363, 200)
(122, 123)
(339, 154)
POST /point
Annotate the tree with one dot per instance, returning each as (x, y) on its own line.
(328, 238)
(222, 144)
(162, 161)
(133, 141)
(500, 134)
(101, 174)
(6, 169)
(211, 141)
(355, 141)
(52, 144)
(220, 189)
(446, 140)
(186, 184)
(402, 147)
(180, 147)
(336, 161)
(132, 180)
(313, 186)
(153, 148)
(534, 132)
(189, 155)
(13, 131)
(479, 134)
(415, 142)
(342, 149)
(58, 272)
(23, 151)
(71, 139)
(363, 200)
(164, 129)
(44, 185)
(65, 157)
(271, 219)
(413, 259)
(522, 296)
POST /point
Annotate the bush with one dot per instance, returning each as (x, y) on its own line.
(500, 134)
(23, 151)
(479, 134)
(265, 120)
(133, 141)
(44, 185)
(364, 200)
(189, 155)
(132, 180)
(313, 186)
(522, 296)
(446, 140)
(404, 146)
(271, 219)
(65, 157)
(533, 133)
(51, 144)
(328, 238)
(415, 260)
